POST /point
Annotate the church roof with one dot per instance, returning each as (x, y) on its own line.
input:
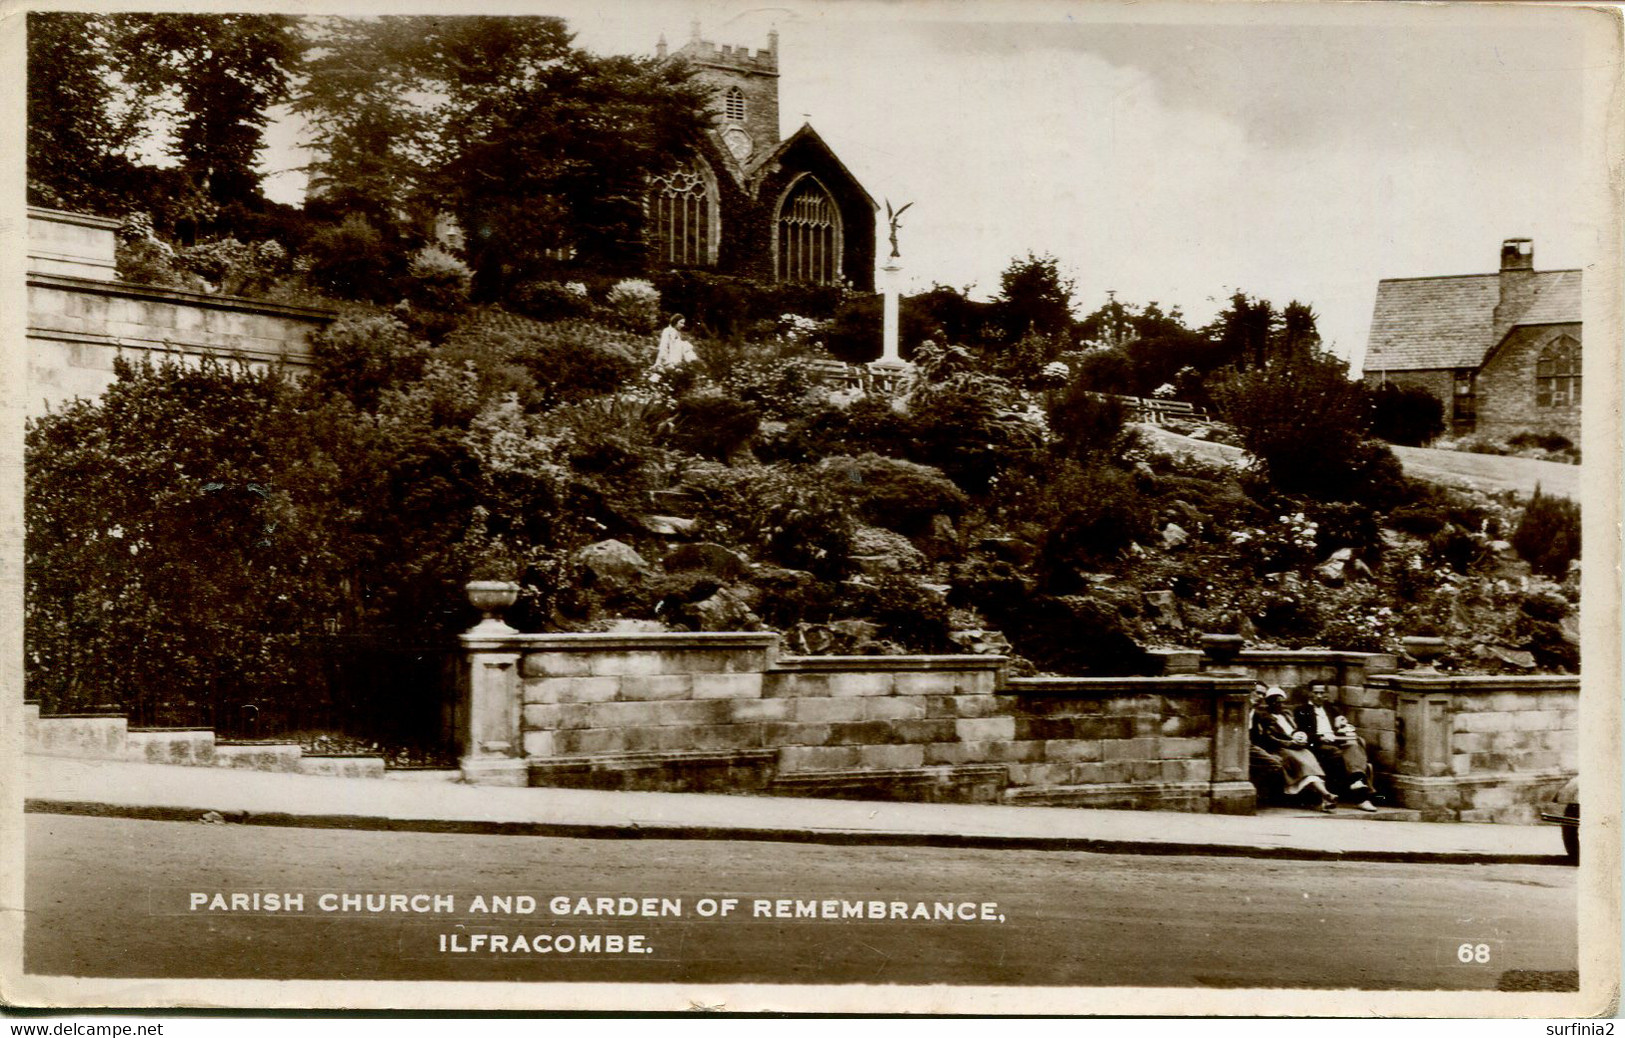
(810, 135)
(1557, 299)
(1449, 322)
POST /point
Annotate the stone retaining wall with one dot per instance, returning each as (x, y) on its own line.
(725, 712)
(78, 326)
(1482, 749)
(109, 737)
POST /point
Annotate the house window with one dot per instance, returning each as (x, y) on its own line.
(680, 216)
(733, 105)
(809, 235)
(1557, 374)
(1464, 397)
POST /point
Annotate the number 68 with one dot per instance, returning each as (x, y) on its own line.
(1470, 952)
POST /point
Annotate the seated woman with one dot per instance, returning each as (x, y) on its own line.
(674, 350)
(1275, 732)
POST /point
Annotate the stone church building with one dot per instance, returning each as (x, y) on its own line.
(754, 205)
(1502, 350)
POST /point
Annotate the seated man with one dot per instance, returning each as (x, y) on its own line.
(1337, 746)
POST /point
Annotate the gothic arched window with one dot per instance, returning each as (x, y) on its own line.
(809, 235)
(681, 214)
(1557, 374)
(733, 105)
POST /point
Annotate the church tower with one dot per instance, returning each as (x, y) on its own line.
(746, 102)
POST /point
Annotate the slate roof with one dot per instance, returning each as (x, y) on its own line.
(1557, 299)
(1448, 322)
(807, 133)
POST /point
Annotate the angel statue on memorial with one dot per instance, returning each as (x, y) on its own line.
(892, 218)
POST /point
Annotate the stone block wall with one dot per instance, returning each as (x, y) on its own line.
(186, 746)
(724, 712)
(109, 737)
(97, 736)
(78, 326)
(1507, 403)
(1483, 749)
(74, 244)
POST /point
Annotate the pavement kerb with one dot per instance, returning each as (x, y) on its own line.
(836, 837)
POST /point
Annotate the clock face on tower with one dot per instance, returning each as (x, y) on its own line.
(738, 142)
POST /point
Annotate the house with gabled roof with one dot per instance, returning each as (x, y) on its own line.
(1501, 350)
(749, 203)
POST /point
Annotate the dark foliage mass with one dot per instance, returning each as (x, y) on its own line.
(1305, 422)
(1548, 535)
(1406, 415)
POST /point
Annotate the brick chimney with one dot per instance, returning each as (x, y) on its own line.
(1517, 283)
(1517, 254)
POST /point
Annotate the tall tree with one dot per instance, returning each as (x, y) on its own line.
(221, 75)
(72, 137)
(1034, 297)
(538, 148)
(1243, 331)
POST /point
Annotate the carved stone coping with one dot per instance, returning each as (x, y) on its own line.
(888, 664)
(168, 731)
(1373, 662)
(227, 743)
(1479, 682)
(129, 290)
(1120, 686)
(659, 641)
(104, 223)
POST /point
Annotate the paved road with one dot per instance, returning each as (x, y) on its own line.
(112, 897)
(1483, 472)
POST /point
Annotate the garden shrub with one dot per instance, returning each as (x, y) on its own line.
(1455, 547)
(1406, 415)
(728, 307)
(352, 260)
(1072, 635)
(1548, 535)
(1303, 420)
(782, 390)
(437, 281)
(359, 356)
(551, 364)
(1085, 423)
(1346, 525)
(236, 268)
(790, 597)
(1548, 441)
(713, 425)
(1375, 477)
(552, 300)
(1419, 520)
(634, 304)
(965, 429)
(897, 495)
(784, 513)
(906, 613)
(1090, 515)
(868, 425)
(201, 522)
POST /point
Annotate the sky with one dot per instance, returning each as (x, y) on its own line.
(1169, 152)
